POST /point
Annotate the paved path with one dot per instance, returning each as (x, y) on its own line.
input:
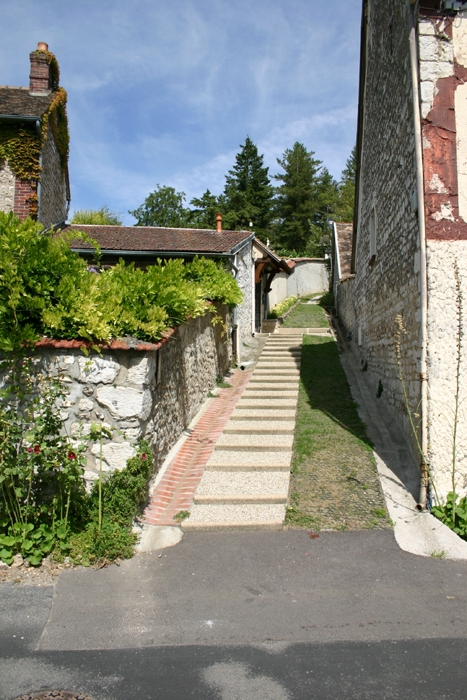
(246, 481)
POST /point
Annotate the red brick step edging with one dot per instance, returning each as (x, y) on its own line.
(176, 489)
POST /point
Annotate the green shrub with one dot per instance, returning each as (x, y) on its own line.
(327, 300)
(98, 217)
(280, 309)
(46, 289)
(457, 522)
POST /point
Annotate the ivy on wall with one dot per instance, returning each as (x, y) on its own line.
(21, 147)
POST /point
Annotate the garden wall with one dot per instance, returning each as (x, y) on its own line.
(138, 389)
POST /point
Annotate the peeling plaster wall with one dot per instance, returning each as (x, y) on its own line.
(139, 394)
(445, 164)
(388, 284)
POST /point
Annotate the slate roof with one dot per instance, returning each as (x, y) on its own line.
(153, 239)
(17, 102)
(344, 238)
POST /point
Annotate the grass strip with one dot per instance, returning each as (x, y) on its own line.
(334, 482)
(306, 316)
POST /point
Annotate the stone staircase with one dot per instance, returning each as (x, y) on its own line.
(246, 481)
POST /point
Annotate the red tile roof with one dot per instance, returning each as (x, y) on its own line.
(153, 239)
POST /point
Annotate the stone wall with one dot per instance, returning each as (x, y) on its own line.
(53, 204)
(150, 392)
(387, 264)
(7, 187)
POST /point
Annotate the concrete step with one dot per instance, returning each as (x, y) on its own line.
(272, 414)
(239, 517)
(268, 402)
(276, 379)
(243, 487)
(275, 372)
(249, 461)
(248, 427)
(272, 393)
(256, 442)
(278, 364)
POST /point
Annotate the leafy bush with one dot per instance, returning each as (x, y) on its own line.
(46, 289)
(327, 300)
(456, 519)
(280, 309)
(97, 217)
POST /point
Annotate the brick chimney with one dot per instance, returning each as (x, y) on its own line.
(40, 80)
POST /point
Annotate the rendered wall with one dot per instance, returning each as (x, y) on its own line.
(308, 277)
(443, 69)
(244, 310)
(151, 394)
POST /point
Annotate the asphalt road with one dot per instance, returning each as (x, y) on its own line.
(253, 616)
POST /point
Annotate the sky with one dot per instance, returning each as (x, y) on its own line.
(165, 91)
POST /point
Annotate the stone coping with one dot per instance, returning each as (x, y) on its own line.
(117, 344)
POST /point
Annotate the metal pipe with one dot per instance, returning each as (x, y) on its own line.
(423, 266)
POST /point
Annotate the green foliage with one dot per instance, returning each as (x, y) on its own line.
(345, 205)
(21, 147)
(326, 300)
(124, 492)
(305, 199)
(44, 508)
(206, 275)
(281, 308)
(163, 207)
(205, 210)
(40, 469)
(248, 192)
(454, 517)
(98, 217)
(45, 289)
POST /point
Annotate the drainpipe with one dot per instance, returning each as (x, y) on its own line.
(233, 262)
(424, 477)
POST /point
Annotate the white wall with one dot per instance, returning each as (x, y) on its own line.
(308, 277)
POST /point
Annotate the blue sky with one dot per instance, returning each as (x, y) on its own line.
(165, 91)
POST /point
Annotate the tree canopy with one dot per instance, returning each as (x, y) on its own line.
(101, 217)
(294, 214)
(163, 207)
(248, 193)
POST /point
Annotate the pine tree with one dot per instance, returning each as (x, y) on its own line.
(345, 205)
(303, 200)
(206, 208)
(248, 192)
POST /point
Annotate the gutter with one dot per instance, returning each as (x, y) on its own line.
(424, 475)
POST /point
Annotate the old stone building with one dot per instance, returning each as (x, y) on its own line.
(410, 226)
(34, 144)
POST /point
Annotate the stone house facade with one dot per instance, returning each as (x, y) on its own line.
(34, 144)
(410, 225)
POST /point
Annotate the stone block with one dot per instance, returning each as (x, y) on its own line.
(141, 370)
(114, 455)
(98, 370)
(125, 402)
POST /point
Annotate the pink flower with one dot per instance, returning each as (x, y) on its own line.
(71, 455)
(29, 449)
(37, 449)
(143, 456)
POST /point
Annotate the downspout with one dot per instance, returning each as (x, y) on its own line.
(234, 265)
(337, 268)
(424, 476)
